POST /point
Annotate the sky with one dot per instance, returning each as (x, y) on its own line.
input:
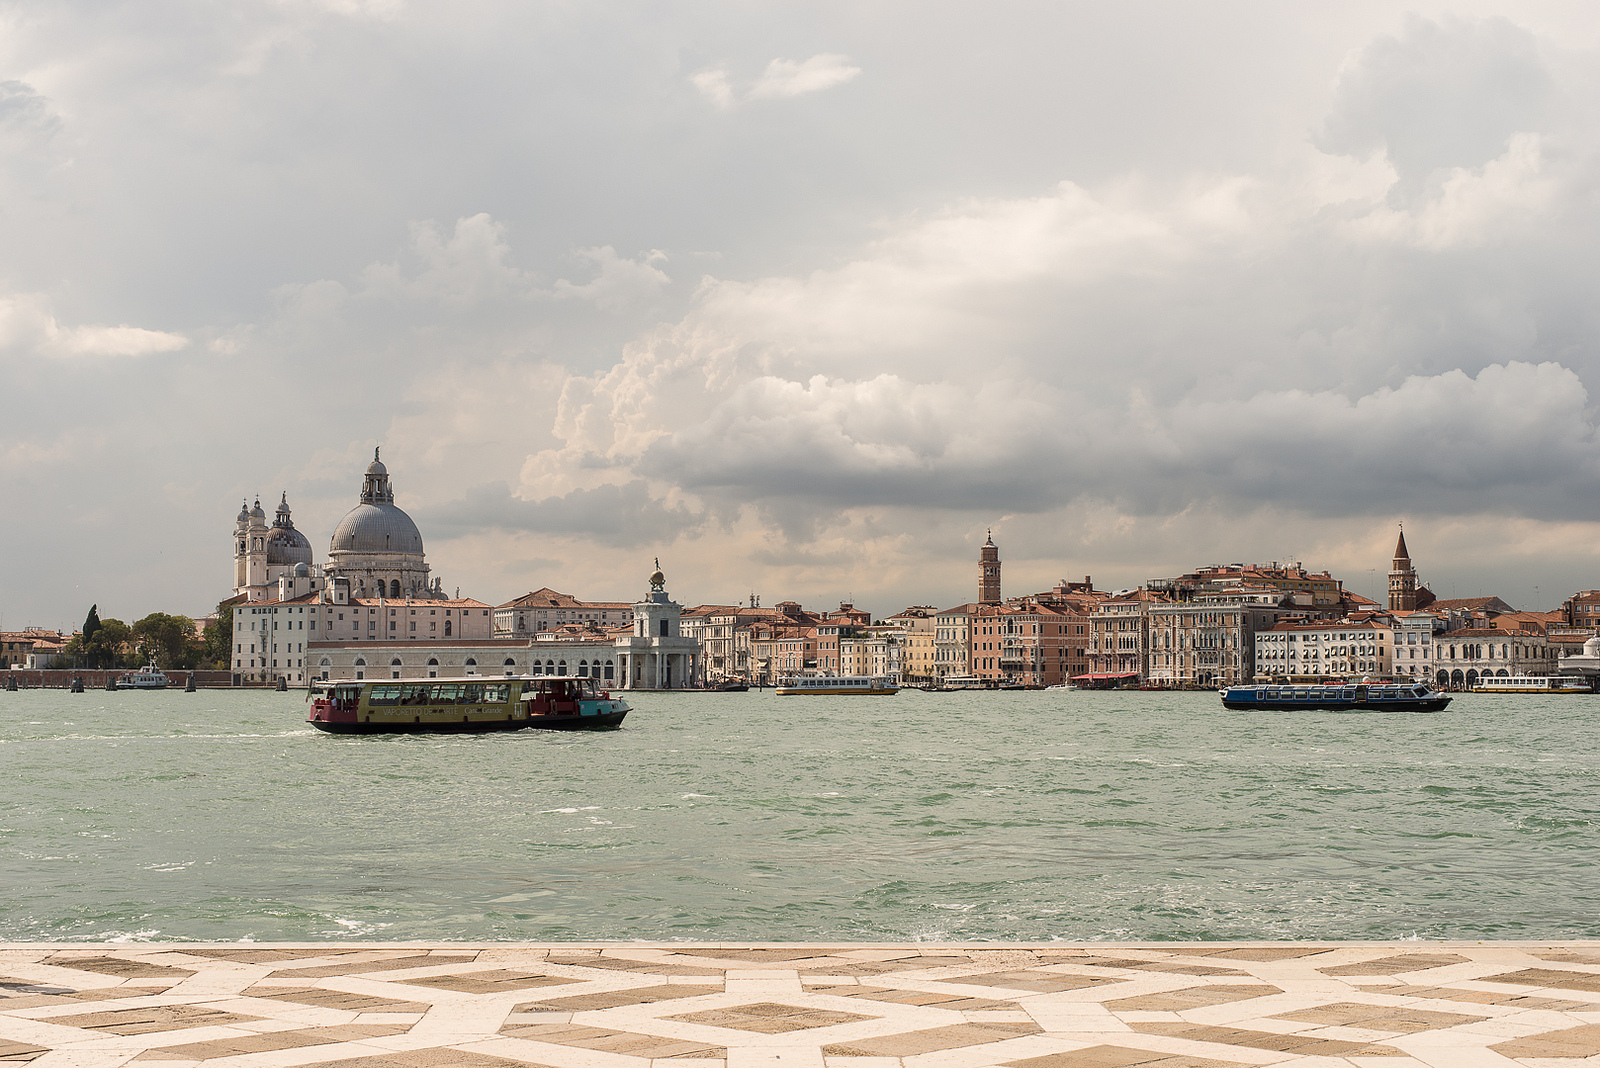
(803, 299)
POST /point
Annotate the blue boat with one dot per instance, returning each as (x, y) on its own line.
(1336, 697)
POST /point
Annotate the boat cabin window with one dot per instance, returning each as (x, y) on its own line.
(1272, 693)
(382, 696)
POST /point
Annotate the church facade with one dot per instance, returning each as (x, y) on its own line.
(374, 611)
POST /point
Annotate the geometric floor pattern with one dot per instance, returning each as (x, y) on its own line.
(1153, 1005)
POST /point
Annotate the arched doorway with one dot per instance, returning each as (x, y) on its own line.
(361, 664)
(1457, 679)
(1442, 679)
(433, 667)
(394, 668)
(1472, 677)
(511, 666)
(472, 665)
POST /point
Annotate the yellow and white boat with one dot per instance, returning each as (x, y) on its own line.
(838, 685)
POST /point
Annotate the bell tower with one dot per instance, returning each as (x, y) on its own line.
(1402, 579)
(989, 572)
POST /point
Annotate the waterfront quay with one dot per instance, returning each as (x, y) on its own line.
(702, 1005)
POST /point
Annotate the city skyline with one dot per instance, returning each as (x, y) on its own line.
(803, 300)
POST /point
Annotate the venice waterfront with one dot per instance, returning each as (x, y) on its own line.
(984, 817)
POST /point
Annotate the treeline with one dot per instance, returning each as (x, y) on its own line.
(168, 640)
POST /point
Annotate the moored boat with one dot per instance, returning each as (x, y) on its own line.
(1533, 684)
(1335, 697)
(148, 677)
(837, 685)
(470, 705)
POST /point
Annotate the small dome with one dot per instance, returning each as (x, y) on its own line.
(258, 512)
(244, 511)
(302, 570)
(286, 545)
(376, 466)
(1592, 647)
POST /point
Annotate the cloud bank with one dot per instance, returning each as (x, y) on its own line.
(808, 351)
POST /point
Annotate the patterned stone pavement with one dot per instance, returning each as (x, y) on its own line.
(1164, 1005)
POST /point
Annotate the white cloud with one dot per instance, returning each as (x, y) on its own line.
(465, 268)
(619, 282)
(1474, 207)
(783, 79)
(786, 78)
(27, 325)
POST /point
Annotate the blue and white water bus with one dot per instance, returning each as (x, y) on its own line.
(1365, 696)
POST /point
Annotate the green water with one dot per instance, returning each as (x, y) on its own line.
(1010, 816)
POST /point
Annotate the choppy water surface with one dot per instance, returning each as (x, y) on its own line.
(1011, 816)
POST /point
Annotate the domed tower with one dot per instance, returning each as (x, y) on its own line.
(376, 546)
(1402, 579)
(262, 553)
(989, 572)
(241, 547)
(286, 546)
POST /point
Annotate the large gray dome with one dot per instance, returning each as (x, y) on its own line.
(376, 528)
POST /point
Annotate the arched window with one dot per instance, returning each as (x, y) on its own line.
(610, 670)
(472, 661)
(561, 667)
(361, 661)
(433, 661)
(583, 668)
(447, 628)
(394, 588)
(511, 666)
(395, 662)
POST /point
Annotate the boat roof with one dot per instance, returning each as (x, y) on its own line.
(452, 678)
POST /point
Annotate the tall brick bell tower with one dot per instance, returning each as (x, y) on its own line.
(1402, 579)
(989, 572)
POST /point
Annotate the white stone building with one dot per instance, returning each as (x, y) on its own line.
(1312, 648)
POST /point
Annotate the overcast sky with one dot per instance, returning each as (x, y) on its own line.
(801, 298)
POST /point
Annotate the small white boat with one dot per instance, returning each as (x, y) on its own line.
(1532, 684)
(963, 682)
(837, 685)
(148, 677)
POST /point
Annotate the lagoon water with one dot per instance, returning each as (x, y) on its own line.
(1011, 816)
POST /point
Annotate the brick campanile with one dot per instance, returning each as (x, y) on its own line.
(989, 572)
(1402, 579)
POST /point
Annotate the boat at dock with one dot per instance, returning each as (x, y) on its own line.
(471, 705)
(148, 677)
(1533, 684)
(1335, 697)
(837, 686)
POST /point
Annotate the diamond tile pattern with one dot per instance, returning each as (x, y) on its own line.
(825, 1006)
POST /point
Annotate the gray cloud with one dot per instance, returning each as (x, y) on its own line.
(1144, 287)
(624, 516)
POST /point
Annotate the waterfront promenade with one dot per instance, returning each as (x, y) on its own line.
(698, 1005)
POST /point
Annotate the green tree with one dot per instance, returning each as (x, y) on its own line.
(109, 647)
(170, 640)
(216, 644)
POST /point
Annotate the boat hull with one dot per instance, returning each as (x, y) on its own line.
(1430, 705)
(600, 722)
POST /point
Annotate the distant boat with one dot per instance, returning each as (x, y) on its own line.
(1532, 684)
(963, 682)
(148, 677)
(730, 686)
(837, 686)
